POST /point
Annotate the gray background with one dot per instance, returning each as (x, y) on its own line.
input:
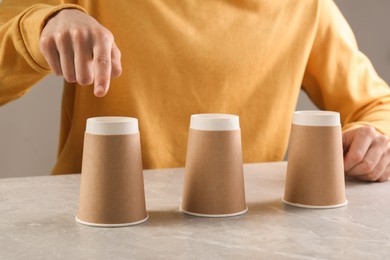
(29, 126)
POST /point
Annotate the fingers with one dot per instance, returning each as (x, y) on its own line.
(367, 154)
(102, 65)
(66, 54)
(386, 175)
(372, 155)
(77, 47)
(49, 51)
(106, 64)
(356, 143)
(83, 59)
(116, 61)
(379, 173)
(58, 51)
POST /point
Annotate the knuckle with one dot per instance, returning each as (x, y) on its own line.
(367, 166)
(116, 72)
(46, 42)
(368, 131)
(61, 36)
(383, 139)
(116, 69)
(61, 39)
(79, 36)
(356, 157)
(103, 35)
(102, 60)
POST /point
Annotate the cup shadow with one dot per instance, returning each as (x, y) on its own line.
(265, 207)
(170, 217)
(175, 217)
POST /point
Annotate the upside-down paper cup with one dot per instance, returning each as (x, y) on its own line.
(112, 185)
(315, 171)
(214, 180)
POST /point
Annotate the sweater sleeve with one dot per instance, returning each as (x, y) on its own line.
(339, 77)
(21, 62)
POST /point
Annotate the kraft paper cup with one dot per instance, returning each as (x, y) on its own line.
(315, 170)
(112, 186)
(214, 180)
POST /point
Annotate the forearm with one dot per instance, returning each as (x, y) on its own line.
(341, 78)
(376, 114)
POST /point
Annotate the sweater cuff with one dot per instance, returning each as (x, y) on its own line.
(31, 26)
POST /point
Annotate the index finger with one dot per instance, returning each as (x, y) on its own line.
(102, 68)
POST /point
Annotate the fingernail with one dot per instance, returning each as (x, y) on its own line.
(99, 90)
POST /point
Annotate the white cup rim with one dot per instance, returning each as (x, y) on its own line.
(112, 125)
(215, 122)
(316, 118)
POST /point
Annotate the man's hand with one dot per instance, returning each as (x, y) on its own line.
(366, 154)
(80, 49)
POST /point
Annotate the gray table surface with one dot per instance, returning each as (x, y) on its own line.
(37, 222)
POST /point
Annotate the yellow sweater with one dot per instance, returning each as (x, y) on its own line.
(181, 57)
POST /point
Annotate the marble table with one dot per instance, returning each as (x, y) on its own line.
(37, 222)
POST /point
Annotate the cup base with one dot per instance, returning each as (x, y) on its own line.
(111, 225)
(314, 206)
(213, 215)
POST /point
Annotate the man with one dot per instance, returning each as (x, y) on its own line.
(179, 58)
